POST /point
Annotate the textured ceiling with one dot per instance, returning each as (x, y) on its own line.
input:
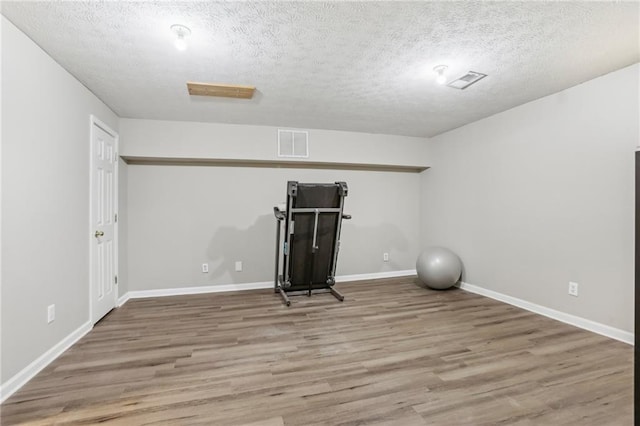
(360, 66)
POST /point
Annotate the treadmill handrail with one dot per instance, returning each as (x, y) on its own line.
(314, 210)
(279, 214)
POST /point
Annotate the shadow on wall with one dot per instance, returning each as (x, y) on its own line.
(253, 246)
(363, 247)
(361, 250)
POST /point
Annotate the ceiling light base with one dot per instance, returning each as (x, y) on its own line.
(181, 32)
(440, 70)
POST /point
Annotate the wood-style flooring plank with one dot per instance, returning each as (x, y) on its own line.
(393, 353)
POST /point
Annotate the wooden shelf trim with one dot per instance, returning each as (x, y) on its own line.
(292, 164)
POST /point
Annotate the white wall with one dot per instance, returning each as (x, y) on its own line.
(183, 216)
(543, 194)
(155, 138)
(123, 228)
(45, 200)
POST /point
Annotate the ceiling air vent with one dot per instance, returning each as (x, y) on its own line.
(293, 143)
(467, 80)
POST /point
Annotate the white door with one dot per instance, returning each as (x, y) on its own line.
(103, 220)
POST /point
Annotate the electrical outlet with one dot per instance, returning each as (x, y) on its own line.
(51, 313)
(239, 266)
(205, 268)
(385, 257)
(573, 289)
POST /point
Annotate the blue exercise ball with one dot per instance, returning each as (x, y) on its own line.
(438, 268)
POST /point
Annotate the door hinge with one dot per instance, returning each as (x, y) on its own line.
(116, 279)
(116, 217)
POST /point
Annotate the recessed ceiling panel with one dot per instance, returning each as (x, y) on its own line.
(220, 90)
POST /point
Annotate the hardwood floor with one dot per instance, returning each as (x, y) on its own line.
(392, 353)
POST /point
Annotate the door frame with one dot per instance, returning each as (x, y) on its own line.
(636, 310)
(93, 122)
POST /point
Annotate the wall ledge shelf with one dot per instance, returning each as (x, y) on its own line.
(291, 164)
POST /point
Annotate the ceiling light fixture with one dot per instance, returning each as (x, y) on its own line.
(440, 70)
(181, 33)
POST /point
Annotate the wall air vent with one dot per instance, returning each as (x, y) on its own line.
(467, 80)
(293, 143)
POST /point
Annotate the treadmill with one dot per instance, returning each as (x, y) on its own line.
(308, 239)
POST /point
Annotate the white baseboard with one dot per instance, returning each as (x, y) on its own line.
(375, 275)
(181, 291)
(595, 327)
(16, 382)
(123, 299)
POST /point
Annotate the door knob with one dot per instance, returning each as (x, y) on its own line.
(99, 234)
